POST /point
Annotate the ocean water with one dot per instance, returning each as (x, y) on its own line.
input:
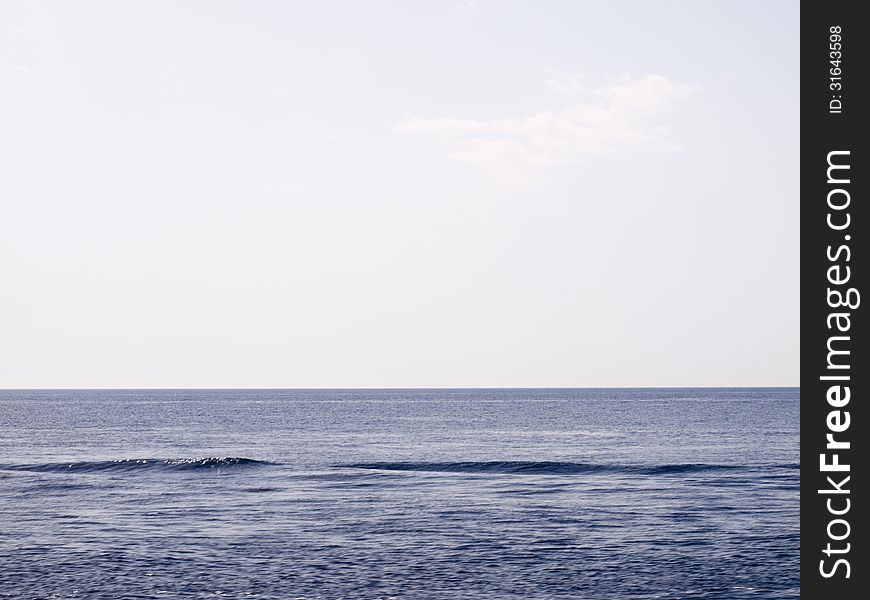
(589, 493)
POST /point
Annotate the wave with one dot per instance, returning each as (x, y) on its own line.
(517, 467)
(138, 464)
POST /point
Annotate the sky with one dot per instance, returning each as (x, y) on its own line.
(398, 194)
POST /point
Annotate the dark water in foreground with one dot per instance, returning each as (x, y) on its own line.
(591, 494)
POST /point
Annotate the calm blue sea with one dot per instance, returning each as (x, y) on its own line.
(587, 493)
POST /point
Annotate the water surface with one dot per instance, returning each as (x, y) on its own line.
(592, 493)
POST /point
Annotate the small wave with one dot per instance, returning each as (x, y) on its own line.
(542, 467)
(138, 464)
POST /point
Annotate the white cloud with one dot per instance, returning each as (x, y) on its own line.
(563, 83)
(618, 117)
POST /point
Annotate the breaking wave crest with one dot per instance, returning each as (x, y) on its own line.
(139, 464)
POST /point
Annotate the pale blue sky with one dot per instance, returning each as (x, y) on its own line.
(399, 194)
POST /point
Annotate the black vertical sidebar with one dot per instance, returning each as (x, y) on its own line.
(835, 372)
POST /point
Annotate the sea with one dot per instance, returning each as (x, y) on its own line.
(592, 494)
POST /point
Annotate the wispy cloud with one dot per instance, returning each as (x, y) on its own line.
(563, 83)
(621, 116)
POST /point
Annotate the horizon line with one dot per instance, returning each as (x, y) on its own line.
(587, 387)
